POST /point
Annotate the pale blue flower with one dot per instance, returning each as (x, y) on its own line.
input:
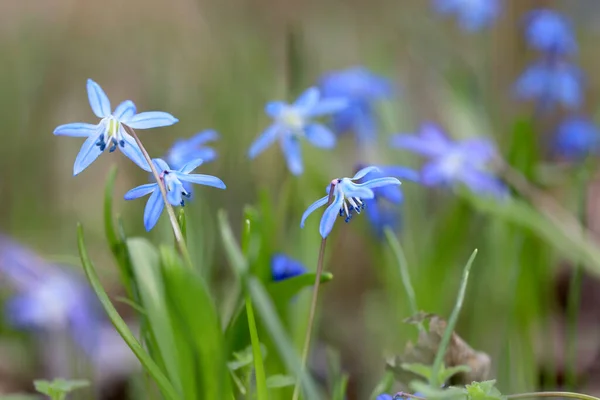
(472, 15)
(186, 150)
(295, 121)
(348, 197)
(109, 132)
(284, 267)
(577, 137)
(173, 181)
(550, 32)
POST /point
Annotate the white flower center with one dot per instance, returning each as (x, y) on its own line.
(291, 118)
(112, 135)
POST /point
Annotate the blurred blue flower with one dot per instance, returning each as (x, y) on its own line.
(284, 267)
(186, 150)
(385, 396)
(173, 180)
(450, 163)
(348, 197)
(577, 137)
(294, 121)
(109, 132)
(550, 32)
(362, 88)
(472, 15)
(550, 82)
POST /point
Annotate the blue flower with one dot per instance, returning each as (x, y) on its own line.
(362, 88)
(173, 181)
(348, 197)
(109, 132)
(385, 396)
(550, 82)
(472, 15)
(577, 137)
(186, 150)
(294, 121)
(450, 163)
(548, 31)
(284, 267)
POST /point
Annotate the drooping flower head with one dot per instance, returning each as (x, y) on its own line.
(450, 163)
(348, 198)
(549, 32)
(293, 122)
(551, 82)
(186, 150)
(284, 267)
(362, 88)
(577, 137)
(109, 132)
(472, 15)
(173, 180)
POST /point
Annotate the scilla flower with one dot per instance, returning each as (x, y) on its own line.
(577, 138)
(348, 198)
(109, 132)
(548, 31)
(284, 267)
(292, 122)
(186, 150)
(173, 181)
(472, 15)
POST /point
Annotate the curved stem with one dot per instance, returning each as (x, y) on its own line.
(179, 238)
(552, 394)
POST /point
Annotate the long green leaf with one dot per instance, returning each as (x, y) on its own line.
(161, 380)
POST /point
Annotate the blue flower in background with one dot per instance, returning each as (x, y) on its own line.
(450, 163)
(284, 267)
(472, 15)
(551, 82)
(577, 137)
(549, 31)
(173, 181)
(295, 121)
(348, 197)
(362, 88)
(186, 150)
(385, 396)
(109, 132)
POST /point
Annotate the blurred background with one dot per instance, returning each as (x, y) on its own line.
(214, 64)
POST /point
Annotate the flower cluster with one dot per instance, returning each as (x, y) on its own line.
(472, 15)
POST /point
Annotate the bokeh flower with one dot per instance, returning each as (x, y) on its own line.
(109, 132)
(284, 267)
(549, 31)
(173, 180)
(472, 15)
(577, 137)
(453, 162)
(295, 121)
(348, 198)
(362, 88)
(186, 150)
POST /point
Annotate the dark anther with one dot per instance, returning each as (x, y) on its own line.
(188, 195)
(113, 147)
(182, 203)
(122, 143)
(341, 212)
(348, 218)
(102, 146)
(339, 180)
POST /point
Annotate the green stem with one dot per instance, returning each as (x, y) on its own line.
(179, 237)
(313, 303)
(552, 394)
(439, 357)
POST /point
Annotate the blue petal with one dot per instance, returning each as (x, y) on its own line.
(76, 129)
(200, 138)
(364, 171)
(273, 108)
(483, 183)
(133, 151)
(401, 172)
(319, 203)
(320, 136)
(88, 153)
(293, 154)
(357, 190)
(161, 165)
(151, 119)
(307, 100)
(98, 100)
(329, 217)
(190, 166)
(174, 195)
(434, 173)
(284, 267)
(328, 106)
(200, 179)
(140, 191)
(125, 111)
(379, 182)
(430, 141)
(154, 208)
(265, 140)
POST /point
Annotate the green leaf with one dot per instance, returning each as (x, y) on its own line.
(428, 392)
(244, 358)
(282, 292)
(447, 373)
(485, 390)
(161, 380)
(19, 396)
(419, 369)
(279, 381)
(59, 388)
(383, 386)
(182, 221)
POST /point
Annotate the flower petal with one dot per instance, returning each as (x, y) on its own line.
(328, 106)
(133, 151)
(319, 203)
(98, 99)
(274, 108)
(125, 111)
(161, 165)
(400, 172)
(140, 191)
(208, 135)
(264, 140)
(308, 99)
(320, 136)
(379, 182)
(201, 179)
(154, 208)
(329, 217)
(190, 166)
(364, 171)
(293, 154)
(76, 129)
(174, 195)
(151, 119)
(88, 153)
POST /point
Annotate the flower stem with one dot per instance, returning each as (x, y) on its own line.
(179, 238)
(313, 304)
(552, 394)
